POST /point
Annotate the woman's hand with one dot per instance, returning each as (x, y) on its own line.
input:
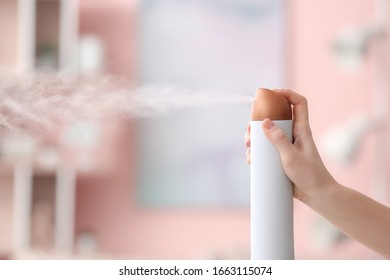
(300, 159)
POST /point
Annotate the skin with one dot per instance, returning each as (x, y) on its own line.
(357, 215)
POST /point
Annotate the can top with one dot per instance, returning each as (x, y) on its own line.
(268, 104)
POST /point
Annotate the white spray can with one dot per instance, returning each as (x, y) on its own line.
(272, 232)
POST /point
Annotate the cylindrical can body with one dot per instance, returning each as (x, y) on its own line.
(272, 229)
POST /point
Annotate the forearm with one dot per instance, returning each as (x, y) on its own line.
(357, 215)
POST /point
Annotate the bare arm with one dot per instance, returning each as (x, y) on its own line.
(355, 214)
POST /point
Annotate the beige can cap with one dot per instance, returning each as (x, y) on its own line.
(268, 104)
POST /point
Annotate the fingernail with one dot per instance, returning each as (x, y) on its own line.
(268, 124)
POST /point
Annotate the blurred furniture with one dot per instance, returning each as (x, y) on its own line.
(38, 35)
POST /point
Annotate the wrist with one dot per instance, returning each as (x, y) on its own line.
(323, 197)
(319, 194)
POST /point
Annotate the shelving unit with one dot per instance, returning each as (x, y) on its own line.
(72, 36)
(47, 35)
(43, 36)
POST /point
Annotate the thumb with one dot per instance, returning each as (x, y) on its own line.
(277, 137)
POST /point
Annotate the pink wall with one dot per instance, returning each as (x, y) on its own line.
(107, 205)
(114, 22)
(8, 33)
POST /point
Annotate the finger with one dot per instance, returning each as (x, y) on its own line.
(247, 137)
(277, 137)
(300, 110)
(247, 140)
(299, 102)
(248, 156)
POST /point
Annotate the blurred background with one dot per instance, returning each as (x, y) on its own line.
(173, 183)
